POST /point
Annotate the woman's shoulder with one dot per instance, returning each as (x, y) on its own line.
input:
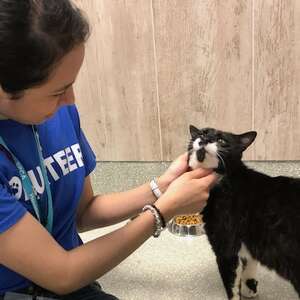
(69, 113)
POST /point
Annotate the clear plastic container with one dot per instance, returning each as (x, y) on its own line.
(187, 225)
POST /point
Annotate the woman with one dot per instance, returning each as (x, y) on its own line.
(45, 162)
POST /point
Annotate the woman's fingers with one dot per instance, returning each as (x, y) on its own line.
(207, 176)
(184, 156)
(210, 180)
(199, 173)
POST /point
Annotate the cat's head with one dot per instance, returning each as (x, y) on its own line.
(215, 149)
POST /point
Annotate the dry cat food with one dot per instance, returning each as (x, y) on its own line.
(188, 219)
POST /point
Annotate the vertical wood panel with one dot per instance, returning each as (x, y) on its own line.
(204, 68)
(116, 88)
(277, 78)
(204, 63)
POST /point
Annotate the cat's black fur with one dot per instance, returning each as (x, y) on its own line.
(250, 208)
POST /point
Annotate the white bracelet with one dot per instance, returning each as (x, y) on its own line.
(155, 189)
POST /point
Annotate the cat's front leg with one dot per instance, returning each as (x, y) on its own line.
(231, 271)
(249, 281)
(249, 277)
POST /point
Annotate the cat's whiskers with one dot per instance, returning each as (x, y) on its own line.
(224, 151)
(222, 160)
(189, 146)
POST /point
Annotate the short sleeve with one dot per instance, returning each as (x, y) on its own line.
(88, 155)
(11, 210)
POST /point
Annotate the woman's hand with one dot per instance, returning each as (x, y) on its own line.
(177, 168)
(187, 194)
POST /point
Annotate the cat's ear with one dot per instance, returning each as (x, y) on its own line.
(246, 139)
(194, 131)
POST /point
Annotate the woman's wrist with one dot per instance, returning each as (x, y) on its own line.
(165, 208)
(163, 183)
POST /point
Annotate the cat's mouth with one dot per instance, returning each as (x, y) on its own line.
(201, 154)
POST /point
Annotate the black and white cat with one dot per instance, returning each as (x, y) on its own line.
(250, 217)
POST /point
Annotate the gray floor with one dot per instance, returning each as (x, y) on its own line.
(173, 267)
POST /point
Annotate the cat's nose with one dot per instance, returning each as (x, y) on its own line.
(203, 141)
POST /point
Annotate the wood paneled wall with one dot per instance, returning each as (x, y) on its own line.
(153, 67)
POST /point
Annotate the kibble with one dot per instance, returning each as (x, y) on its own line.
(188, 219)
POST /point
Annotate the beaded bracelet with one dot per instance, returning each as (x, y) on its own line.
(160, 223)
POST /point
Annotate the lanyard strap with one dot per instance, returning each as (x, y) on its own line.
(27, 184)
(49, 223)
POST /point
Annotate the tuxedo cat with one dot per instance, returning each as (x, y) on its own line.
(250, 217)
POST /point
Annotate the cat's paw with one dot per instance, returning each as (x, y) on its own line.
(249, 288)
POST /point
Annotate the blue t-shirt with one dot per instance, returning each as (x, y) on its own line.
(68, 159)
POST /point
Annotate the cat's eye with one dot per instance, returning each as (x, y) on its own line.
(222, 142)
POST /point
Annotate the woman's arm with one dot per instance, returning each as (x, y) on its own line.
(102, 210)
(28, 249)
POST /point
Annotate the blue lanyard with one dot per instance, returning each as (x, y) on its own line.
(27, 184)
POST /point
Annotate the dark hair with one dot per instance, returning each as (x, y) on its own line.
(34, 36)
